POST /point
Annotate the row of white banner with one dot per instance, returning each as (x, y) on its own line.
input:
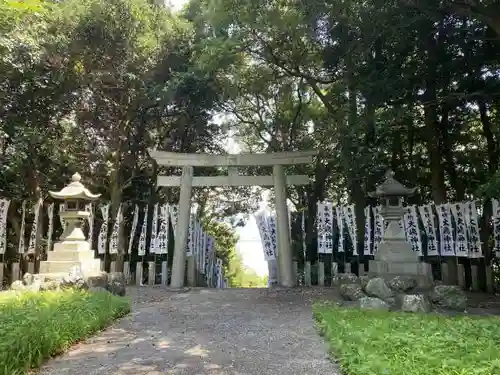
(199, 243)
(450, 229)
(446, 229)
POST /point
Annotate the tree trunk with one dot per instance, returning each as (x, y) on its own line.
(432, 126)
(455, 180)
(491, 142)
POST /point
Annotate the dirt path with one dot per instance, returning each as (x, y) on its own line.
(207, 331)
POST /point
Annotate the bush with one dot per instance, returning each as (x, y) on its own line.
(388, 343)
(35, 326)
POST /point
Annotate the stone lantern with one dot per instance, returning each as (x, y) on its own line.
(394, 256)
(73, 249)
(75, 196)
(391, 194)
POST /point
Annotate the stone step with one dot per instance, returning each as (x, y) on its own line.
(71, 246)
(97, 279)
(70, 256)
(88, 267)
(55, 266)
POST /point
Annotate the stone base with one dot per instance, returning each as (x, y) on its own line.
(88, 266)
(419, 271)
(69, 254)
(75, 246)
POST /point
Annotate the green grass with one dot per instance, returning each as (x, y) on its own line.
(388, 343)
(35, 326)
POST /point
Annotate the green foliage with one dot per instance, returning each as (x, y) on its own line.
(36, 326)
(91, 86)
(225, 240)
(387, 343)
(225, 246)
(243, 277)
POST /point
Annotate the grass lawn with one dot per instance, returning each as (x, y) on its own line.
(386, 343)
(35, 326)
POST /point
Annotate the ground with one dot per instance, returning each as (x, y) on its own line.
(207, 331)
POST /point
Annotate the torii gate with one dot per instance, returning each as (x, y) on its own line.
(187, 181)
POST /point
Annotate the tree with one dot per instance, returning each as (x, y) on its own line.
(385, 86)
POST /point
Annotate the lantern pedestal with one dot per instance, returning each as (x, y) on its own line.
(68, 254)
(396, 258)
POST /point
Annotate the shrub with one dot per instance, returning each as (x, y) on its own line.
(35, 326)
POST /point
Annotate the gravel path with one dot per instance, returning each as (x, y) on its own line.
(207, 331)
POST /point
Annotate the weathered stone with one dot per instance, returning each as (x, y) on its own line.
(392, 302)
(36, 286)
(18, 285)
(345, 278)
(415, 303)
(449, 297)
(378, 288)
(116, 283)
(371, 303)
(74, 282)
(116, 288)
(28, 279)
(351, 292)
(115, 276)
(100, 280)
(50, 285)
(402, 283)
(363, 281)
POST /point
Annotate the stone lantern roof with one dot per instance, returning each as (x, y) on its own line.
(391, 188)
(75, 190)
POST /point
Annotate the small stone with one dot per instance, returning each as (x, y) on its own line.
(116, 276)
(116, 288)
(35, 286)
(345, 278)
(50, 285)
(28, 279)
(100, 280)
(363, 280)
(18, 285)
(392, 302)
(371, 303)
(351, 292)
(402, 283)
(116, 284)
(449, 297)
(415, 303)
(73, 281)
(378, 288)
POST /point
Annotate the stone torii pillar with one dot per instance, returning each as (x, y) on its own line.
(186, 182)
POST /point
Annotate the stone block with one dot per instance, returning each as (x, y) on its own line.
(70, 256)
(72, 246)
(377, 287)
(415, 303)
(449, 297)
(351, 292)
(419, 271)
(402, 283)
(345, 278)
(371, 303)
